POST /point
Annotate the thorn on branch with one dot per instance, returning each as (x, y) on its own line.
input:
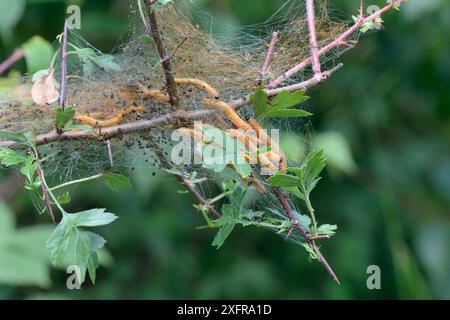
(281, 197)
(176, 49)
(198, 197)
(320, 237)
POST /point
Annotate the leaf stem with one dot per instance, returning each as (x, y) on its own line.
(311, 212)
(70, 183)
(49, 191)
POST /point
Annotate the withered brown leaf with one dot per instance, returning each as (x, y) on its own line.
(44, 91)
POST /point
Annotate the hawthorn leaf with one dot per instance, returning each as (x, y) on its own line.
(92, 218)
(259, 101)
(327, 229)
(222, 235)
(10, 157)
(59, 241)
(63, 117)
(284, 180)
(24, 139)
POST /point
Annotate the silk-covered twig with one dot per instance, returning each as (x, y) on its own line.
(170, 117)
(166, 62)
(339, 41)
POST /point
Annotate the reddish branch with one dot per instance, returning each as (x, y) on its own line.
(16, 56)
(269, 56)
(62, 96)
(314, 46)
(287, 208)
(339, 41)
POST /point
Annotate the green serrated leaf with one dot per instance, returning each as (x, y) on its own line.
(92, 218)
(29, 169)
(295, 191)
(286, 100)
(284, 180)
(84, 128)
(327, 229)
(222, 235)
(281, 105)
(313, 165)
(59, 241)
(63, 117)
(287, 113)
(259, 101)
(16, 137)
(86, 253)
(10, 157)
(116, 181)
(92, 266)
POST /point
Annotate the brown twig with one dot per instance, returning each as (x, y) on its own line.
(16, 56)
(155, 33)
(200, 199)
(340, 40)
(173, 92)
(145, 125)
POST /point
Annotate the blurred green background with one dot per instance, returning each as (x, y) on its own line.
(384, 121)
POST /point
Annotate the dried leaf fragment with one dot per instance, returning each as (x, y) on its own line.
(44, 91)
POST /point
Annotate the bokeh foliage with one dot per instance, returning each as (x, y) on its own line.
(384, 122)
